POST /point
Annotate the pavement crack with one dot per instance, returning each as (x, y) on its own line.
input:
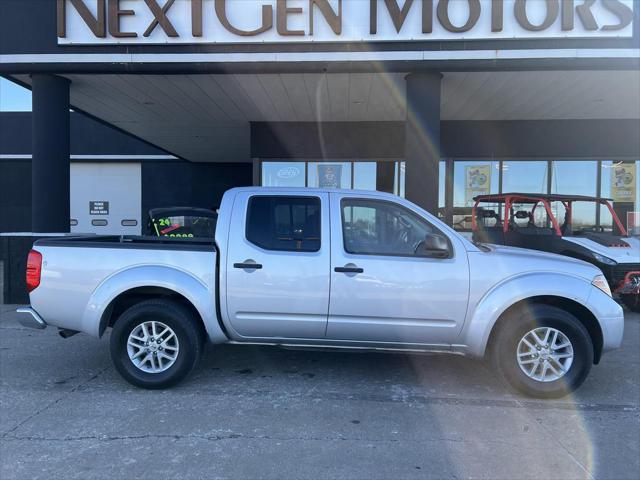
(54, 402)
(234, 436)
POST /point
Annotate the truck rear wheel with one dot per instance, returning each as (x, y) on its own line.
(156, 343)
(542, 351)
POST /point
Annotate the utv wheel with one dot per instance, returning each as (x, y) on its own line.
(156, 343)
(543, 352)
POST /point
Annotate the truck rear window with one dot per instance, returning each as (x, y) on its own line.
(284, 223)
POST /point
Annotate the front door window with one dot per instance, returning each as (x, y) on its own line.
(372, 227)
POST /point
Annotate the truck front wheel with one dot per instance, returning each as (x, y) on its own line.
(542, 351)
(156, 343)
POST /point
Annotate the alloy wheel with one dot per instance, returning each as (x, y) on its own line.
(545, 354)
(153, 347)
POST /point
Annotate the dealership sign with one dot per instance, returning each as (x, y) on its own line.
(258, 21)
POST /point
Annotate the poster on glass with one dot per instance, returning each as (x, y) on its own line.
(329, 176)
(623, 182)
(477, 181)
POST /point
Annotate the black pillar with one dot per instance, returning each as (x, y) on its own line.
(422, 140)
(50, 148)
(384, 176)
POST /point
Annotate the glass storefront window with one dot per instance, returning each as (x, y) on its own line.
(329, 174)
(620, 180)
(575, 178)
(621, 183)
(524, 177)
(364, 175)
(283, 174)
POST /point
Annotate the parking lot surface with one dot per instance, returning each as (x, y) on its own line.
(262, 412)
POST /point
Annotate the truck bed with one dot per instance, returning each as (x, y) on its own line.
(81, 276)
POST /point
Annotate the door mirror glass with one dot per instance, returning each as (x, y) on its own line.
(434, 245)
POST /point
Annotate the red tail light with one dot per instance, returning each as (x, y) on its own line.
(34, 269)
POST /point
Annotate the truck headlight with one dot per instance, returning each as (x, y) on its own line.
(603, 259)
(600, 282)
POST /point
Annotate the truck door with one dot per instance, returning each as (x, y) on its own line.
(382, 289)
(277, 275)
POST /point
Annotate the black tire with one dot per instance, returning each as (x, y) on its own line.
(504, 348)
(187, 328)
(632, 301)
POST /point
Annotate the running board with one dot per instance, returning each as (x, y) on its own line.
(450, 349)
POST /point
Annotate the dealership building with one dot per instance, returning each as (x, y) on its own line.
(147, 103)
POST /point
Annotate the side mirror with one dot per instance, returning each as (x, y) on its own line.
(433, 245)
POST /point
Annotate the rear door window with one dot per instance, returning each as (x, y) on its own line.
(284, 223)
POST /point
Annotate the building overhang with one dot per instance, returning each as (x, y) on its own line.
(190, 116)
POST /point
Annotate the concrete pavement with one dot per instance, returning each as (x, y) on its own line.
(259, 412)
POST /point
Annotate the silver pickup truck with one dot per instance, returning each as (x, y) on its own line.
(326, 268)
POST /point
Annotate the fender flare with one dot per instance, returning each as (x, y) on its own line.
(201, 296)
(487, 310)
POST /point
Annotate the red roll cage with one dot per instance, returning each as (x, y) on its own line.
(510, 198)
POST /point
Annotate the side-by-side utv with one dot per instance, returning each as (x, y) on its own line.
(560, 224)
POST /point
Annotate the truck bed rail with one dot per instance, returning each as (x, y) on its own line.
(130, 241)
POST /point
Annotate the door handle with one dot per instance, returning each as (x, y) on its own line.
(349, 269)
(246, 265)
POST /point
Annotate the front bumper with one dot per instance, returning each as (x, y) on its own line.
(610, 317)
(29, 318)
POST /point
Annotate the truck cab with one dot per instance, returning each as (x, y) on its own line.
(310, 254)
